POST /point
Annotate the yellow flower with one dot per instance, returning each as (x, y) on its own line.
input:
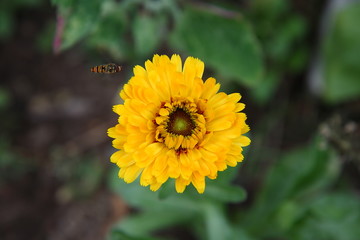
(174, 125)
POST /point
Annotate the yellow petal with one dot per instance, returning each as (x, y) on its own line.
(180, 185)
(155, 186)
(221, 165)
(210, 88)
(146, 176)
(115, 156)
(160, 164)
(204, 168)
(119, 142)
(218, 125)
(244, 141)
(132, 172)
(113, 133)
(139, 71)
(217, 100)
(154, 148)
(234, 97)
(231, 161)
(163, 177)
(199, 182)
(176, 60)
(239, 107)
(193, 67)
(125, 160)
(119, 109)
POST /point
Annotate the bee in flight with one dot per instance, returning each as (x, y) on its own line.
(106, 68)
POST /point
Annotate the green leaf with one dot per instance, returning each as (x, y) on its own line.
(108, 34)
(240, 233)
(8, 14)
(341, 56)
(331, 217)
(281, 44)
(120, 235)
(227, 45)
(225, 193)
(167, 189)
(79, 21)
(6, 24)
(268, 11)
(12, 165)
(262, 94)
(143, 198)
(299, 174)
(64, 3)
(147, 222)
(288, 214)
(5, 98)
(45, 38)
(147, 31)
(217, 226)
(227, 176)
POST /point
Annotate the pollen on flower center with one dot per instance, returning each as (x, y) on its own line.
(180, 123)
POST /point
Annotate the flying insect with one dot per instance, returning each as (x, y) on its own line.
(106, 68)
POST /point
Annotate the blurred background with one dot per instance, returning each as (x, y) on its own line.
(296, 64)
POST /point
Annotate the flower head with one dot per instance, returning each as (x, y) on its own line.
(174, 125)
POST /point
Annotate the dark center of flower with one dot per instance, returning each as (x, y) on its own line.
(180, 122)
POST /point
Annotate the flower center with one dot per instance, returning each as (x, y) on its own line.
(180, 123)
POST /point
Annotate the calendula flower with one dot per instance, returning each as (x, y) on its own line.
(174, 125)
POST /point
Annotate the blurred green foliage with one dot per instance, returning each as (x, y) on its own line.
(299, 178)
(134, 30)
(4, 98)
(7, 14)
(12, 165)
(225, 44)
(80, 17)
(80, 176)
(127, 30)
(282, 34)
(255, 47)
(45, 38)
(205, 214)
(341, 56)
